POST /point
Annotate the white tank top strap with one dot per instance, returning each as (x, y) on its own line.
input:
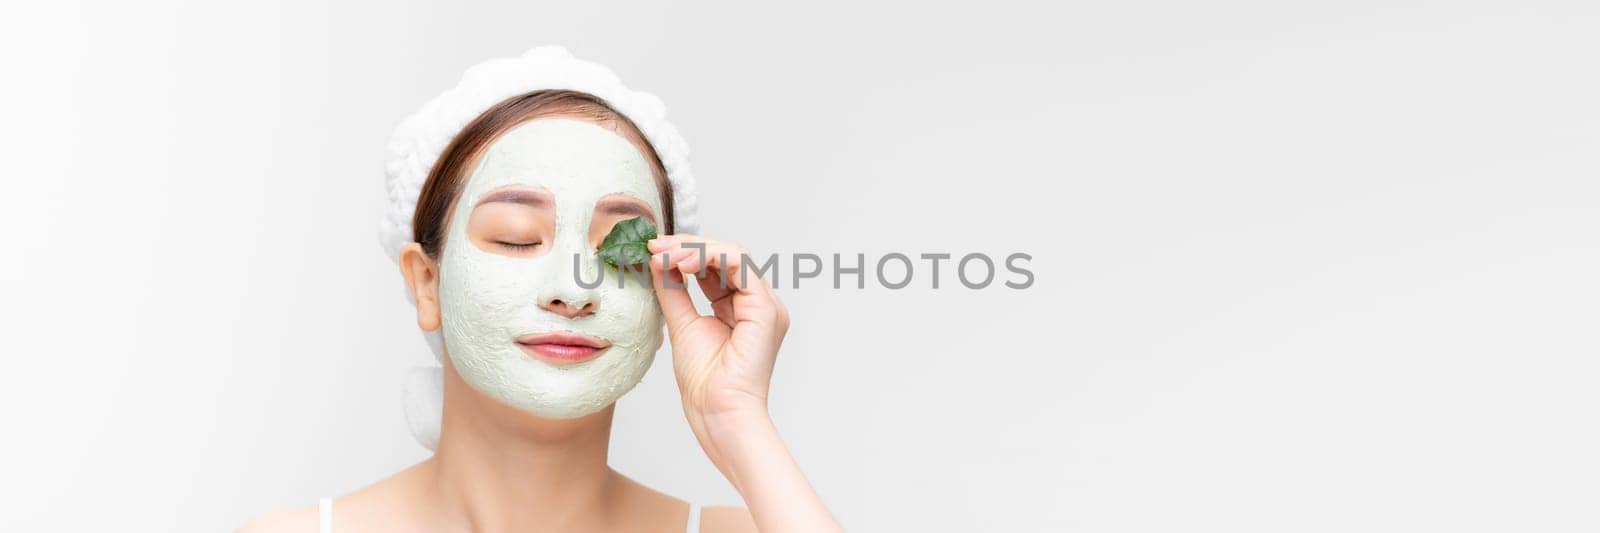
(694, 519)
(325, 515)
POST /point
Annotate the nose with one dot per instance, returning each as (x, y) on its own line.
(564, 292)
(569, 307)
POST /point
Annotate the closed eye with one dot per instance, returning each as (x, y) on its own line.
(519, 246)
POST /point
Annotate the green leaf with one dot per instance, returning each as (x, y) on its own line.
(625, 245)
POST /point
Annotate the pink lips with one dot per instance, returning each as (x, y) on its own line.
(562, 348)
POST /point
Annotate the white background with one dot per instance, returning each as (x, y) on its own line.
(1299, 268)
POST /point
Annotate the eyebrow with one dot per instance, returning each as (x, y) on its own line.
(527, 197)
(624, 205)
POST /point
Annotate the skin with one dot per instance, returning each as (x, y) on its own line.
(498, 468)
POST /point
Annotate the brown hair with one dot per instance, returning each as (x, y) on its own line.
(449, 173)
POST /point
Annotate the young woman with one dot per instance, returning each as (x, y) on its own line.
(500, 259)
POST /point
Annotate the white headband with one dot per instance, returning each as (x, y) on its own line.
(421, 138)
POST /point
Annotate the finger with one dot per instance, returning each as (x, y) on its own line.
(672, 293)
(690, 262)
(692, 255)
(666, 242)
(706, 259)
(751, 299)
(687, 260)
(728, 260)
(720, 295)
(720, 269)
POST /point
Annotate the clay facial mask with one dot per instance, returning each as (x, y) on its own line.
(490, 298)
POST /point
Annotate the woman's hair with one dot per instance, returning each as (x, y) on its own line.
(449, 173)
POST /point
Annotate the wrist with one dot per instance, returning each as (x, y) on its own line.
(754, 458)
(733, 421)
(742, 440)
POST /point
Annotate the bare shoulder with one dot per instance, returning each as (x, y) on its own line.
(380, 506)
(726, 520)
(302, 520)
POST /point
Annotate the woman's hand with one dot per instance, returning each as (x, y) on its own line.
(723, 363)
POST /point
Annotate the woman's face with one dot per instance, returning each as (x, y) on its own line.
(517, 324)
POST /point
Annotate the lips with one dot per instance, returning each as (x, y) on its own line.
(562, 348)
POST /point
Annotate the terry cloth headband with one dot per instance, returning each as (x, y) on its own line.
(421, 138)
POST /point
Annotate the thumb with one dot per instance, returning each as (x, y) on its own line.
(672, 292)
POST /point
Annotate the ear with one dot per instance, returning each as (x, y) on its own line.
(422, 278)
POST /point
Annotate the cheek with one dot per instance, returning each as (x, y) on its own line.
(480, 289)
(633, 312)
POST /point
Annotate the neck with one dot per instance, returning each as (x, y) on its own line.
(500, 469)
